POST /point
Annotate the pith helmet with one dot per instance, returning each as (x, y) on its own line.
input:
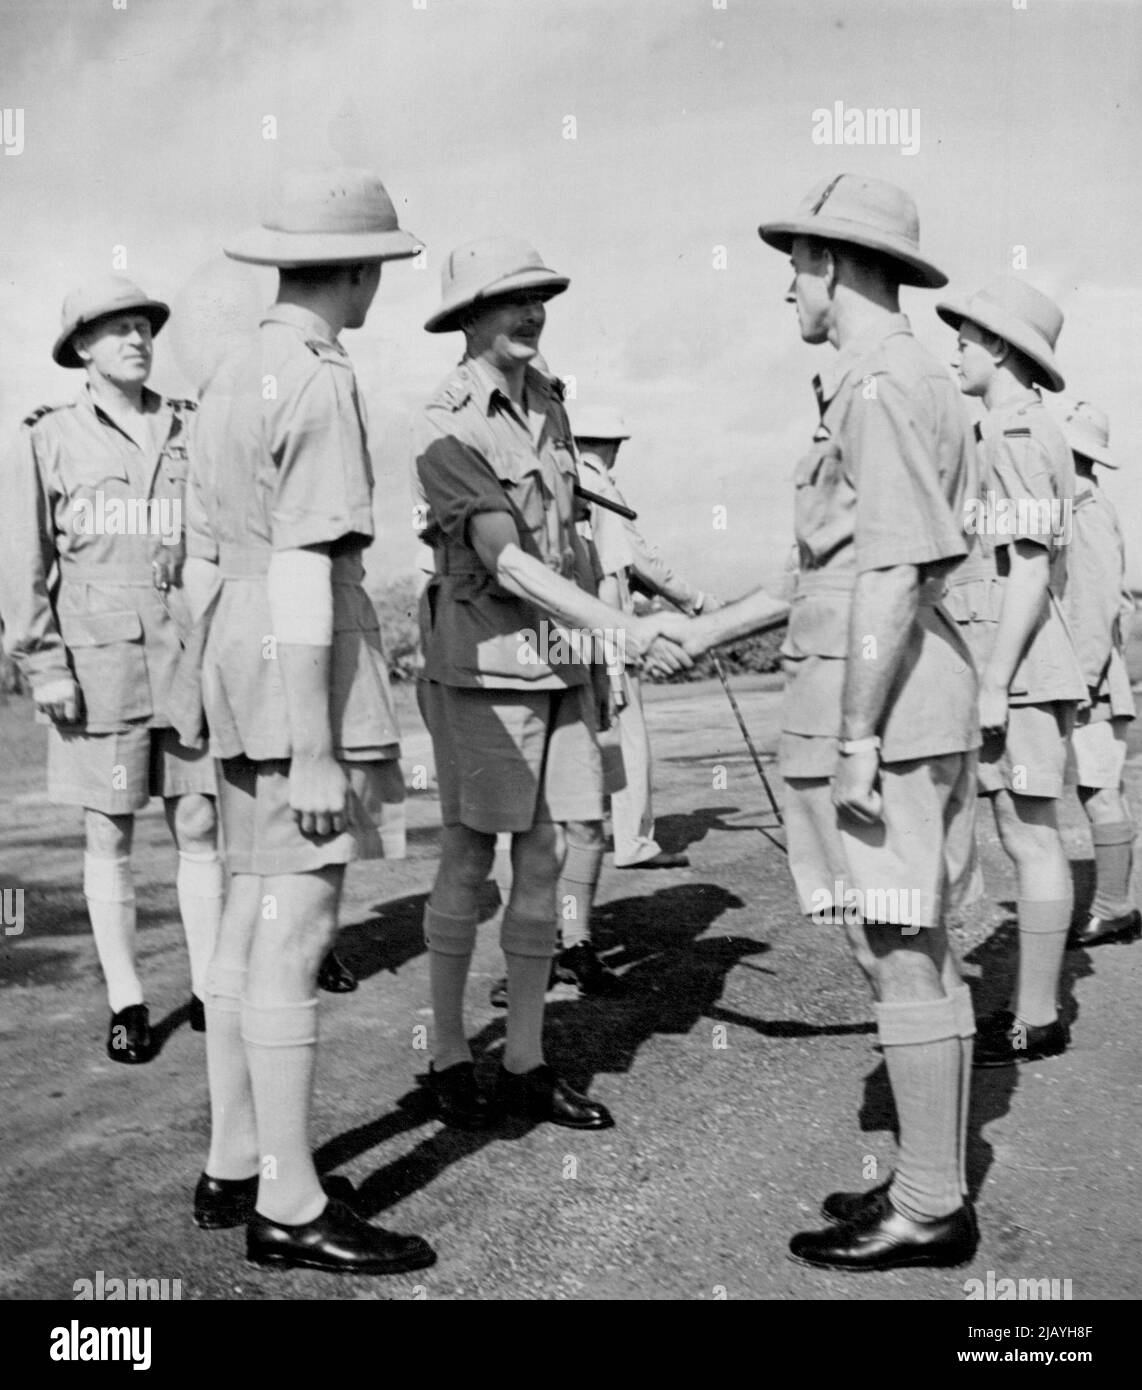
(487, 269)
(1019, 314)
(863, 212)
(598, 422)
(110, 294)
(326, 217)
(1088, 430)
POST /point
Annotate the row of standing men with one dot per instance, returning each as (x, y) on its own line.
(911, 642)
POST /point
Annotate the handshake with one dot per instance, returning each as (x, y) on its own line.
(670, 642)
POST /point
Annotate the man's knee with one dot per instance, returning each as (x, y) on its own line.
(467, 855)
(108, 837)
(195, 820)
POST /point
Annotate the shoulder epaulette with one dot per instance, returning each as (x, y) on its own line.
(40, 412)
(454, 393)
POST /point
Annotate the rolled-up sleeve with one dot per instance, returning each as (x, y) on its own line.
(31, 635)
(902, 514)
(323, 485)
(457, 482)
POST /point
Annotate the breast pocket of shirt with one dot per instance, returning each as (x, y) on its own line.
(822, 507)
(105, 642)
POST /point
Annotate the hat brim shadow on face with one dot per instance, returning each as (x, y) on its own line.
(544, 283)
(1025, 340)
(911, 268)
(292, 250)
(63, 352)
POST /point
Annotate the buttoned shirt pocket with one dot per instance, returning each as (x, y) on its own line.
(823, 507)
(109, 660)
(88, 472)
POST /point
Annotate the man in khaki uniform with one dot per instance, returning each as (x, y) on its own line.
(90, 590)
(1099, 611)
(628, 563)
(1030, 678)
(509, 639)
(296, 698)
(878, 726)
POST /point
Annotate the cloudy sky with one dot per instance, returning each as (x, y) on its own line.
(144, 129)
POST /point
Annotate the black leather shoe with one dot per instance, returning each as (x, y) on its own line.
(337, 1241)
(883, 1239)
(222, 1203)
(1097, 931)
(848, 1206)
(542, 1095)
(662, 860)
(197, 1015)
(129, 1038)
(459, 1100)
(1020, 1042)
(582, 964)
(335, 977)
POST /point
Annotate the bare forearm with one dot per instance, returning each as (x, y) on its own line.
(880, 626)
(1024, 600)
(755, 612)
(305, 675)
(527, 578)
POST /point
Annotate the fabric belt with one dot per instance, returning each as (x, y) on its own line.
(129, 576)
(841, 582)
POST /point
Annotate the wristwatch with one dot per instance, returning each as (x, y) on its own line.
(860, 745)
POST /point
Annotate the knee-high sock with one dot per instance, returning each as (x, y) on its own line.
(110, 892)
(450, 944)
(200, 886)
(575, 892)
(922, 1052)
(965, 1027)
(233, 1131)
(1042, 941)
(281, 1050)
(528, 945)
(1113, 861)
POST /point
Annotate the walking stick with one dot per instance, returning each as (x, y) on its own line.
(721, 670)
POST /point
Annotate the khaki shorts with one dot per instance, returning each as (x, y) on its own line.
(910, 869)
(260, 833)
(1031, 758)
(509, 759)
(119, 773)
(1097, 752)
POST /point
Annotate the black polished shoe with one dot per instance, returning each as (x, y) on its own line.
(337, 1241)
(841, 1207)
(222, 1203)
(335, 977)
(542, 1095)
(1097, 931)
(883, 1239)
(459, 1100)
(1020, 1042)
(662, 860)
(129, 1038)
(196, 1015)
(582, 964)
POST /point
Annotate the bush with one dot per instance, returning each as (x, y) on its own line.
(758, 654)
(396, 605)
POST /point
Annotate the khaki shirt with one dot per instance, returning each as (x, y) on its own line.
(883, 485)
(1098, 606)
(475, 454)
(1026, 492)
(280, 461)
(85, 512)
(622, 550)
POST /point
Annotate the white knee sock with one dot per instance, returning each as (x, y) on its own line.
(110, 892)
(233, 1132)
(965, 1027)
(200, 885)
(281, 1050)
(450, 942)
